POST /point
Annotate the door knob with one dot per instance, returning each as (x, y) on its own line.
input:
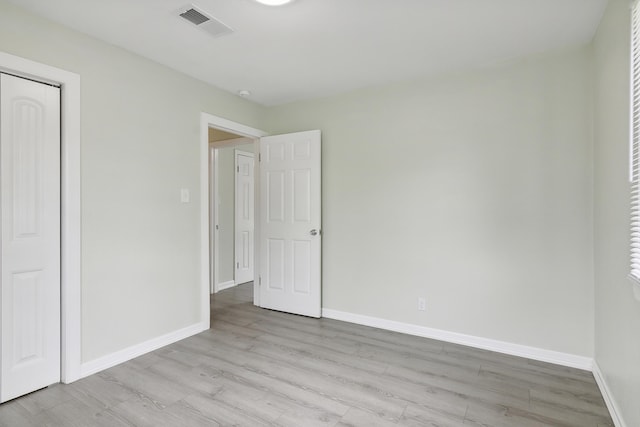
(314, 232)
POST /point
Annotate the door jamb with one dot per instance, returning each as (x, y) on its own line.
(214, 241)
(206, 121)
(70, 207)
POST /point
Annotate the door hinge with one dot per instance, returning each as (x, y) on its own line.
(217, 227)
(259, 280)
(237, 265)
(238, 169)
(259, 157)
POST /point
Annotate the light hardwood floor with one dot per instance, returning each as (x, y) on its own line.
(256, 367)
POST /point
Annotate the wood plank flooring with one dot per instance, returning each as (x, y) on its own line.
(257, 367)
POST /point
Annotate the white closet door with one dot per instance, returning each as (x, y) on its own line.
(290, 210)
(244, 217)
(30, 216)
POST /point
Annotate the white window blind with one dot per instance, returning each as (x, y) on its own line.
(635, 142)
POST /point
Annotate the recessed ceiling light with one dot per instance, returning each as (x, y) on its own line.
(274, 2)
(244, 93)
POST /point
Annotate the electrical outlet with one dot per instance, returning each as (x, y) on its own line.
(422, 304)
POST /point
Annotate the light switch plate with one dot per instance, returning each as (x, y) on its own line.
(185, 196)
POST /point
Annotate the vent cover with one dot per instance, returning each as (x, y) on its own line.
(204, 21)
(194, 16)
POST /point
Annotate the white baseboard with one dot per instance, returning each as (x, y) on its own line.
(113, 359)
(608, 397)
(225, 285)
(558, 358)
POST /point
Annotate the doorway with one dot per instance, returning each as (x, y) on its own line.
(288, 192)
(231, 208)
(207, 269)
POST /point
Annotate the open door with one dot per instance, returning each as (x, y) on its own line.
(290, 220)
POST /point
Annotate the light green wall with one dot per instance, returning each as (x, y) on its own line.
(474, 191)
(140, 139)
(617, 313)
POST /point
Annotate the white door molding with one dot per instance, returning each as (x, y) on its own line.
(70, 203)
(210, 121)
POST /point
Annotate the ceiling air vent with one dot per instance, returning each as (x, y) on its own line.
(204, 21)
(194, 16)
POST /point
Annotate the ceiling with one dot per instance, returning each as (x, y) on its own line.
(216, 135)
(318, 48)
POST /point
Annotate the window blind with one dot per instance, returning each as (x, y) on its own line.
(635, 142)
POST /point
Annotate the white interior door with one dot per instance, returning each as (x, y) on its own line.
(244, 217)
(30, 259)
(290, 220)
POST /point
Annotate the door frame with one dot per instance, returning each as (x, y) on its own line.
(70, 207)
(210, 121)
(214, 239)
